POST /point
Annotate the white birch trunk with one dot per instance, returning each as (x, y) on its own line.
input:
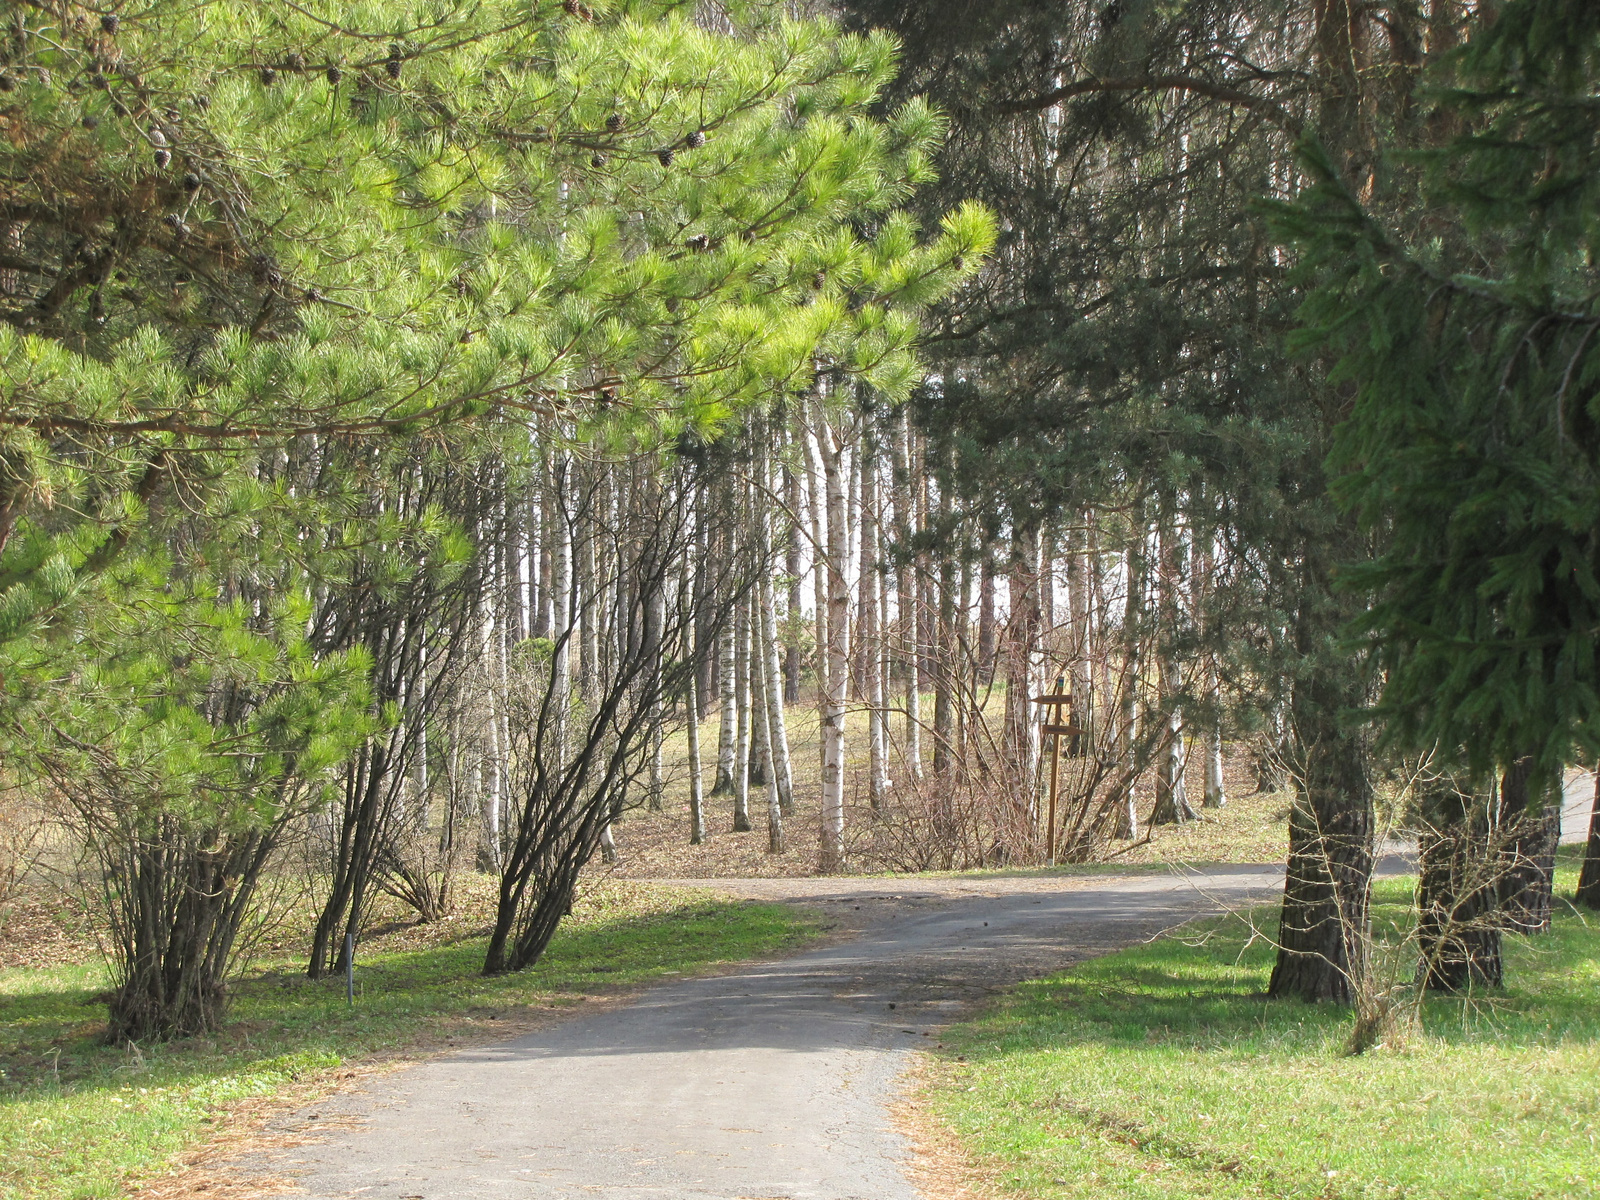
(697, 803)
(728, 727)
(832, 706)
(780, 780)
(1083, 646)
(870, 635)
(766, 686)
(816, 519)
(906, 598)
(741, 700)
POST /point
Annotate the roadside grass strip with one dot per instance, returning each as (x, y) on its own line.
(79, 1118)
(1161, 1071)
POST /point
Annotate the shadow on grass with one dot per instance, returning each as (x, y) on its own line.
(51, 1028)
(1204, 987)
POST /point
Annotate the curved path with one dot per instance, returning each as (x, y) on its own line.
(769, 1082)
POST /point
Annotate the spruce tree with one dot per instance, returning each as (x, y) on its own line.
(1464, 323)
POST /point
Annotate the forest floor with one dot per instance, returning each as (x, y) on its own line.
(1252, 828)
(79, 1118)
(1160, 1072)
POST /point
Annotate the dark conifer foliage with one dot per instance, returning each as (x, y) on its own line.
(1127, 342)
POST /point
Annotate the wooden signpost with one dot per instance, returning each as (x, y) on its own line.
(1056, 725)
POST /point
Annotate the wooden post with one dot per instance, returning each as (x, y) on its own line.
(1055, 726)
(1055, 768)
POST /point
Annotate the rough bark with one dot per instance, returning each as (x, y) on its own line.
(1458, 929)
(1533, 829)
(1323, 928)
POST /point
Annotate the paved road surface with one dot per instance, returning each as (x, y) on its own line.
(768, 1083)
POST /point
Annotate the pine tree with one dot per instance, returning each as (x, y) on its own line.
(210, 271)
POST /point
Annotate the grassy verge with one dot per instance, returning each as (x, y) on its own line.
(81, 1119)
(1160, 1071)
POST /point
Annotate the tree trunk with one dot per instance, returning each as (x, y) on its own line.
(777, 774)
(728, 728)
(830, 445)
(1020, 651)
(1527, 889)
(987, 643)
(1324, 924)
(906, 596)
(765, 682)
(1172, 805)
(1082, 645)
(870, 635)
(944, 654)
(792, 571)
(697, 805)
(741, 700)
(1127, 693)
(1216, 795)
(1458, 928)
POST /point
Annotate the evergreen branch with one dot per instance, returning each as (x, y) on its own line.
(1260, 105)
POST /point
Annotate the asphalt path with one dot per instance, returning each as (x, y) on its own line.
(773, 1081)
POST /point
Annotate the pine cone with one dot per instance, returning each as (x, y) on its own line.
(265, 271)
(191, 182)
(6, 82)
(110, 23)
(157, 138)
(334, 75)
(90, 121)
(597, 160)
(614, 122)
(699, 242)
(696, 139)
(664, 157)
(163, 157)
(294, 61)
(268, 77)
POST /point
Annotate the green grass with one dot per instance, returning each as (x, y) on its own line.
(1160, 1071)
(81, 1119)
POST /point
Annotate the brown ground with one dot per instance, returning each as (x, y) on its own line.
(1252, 828)
(39, 928)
